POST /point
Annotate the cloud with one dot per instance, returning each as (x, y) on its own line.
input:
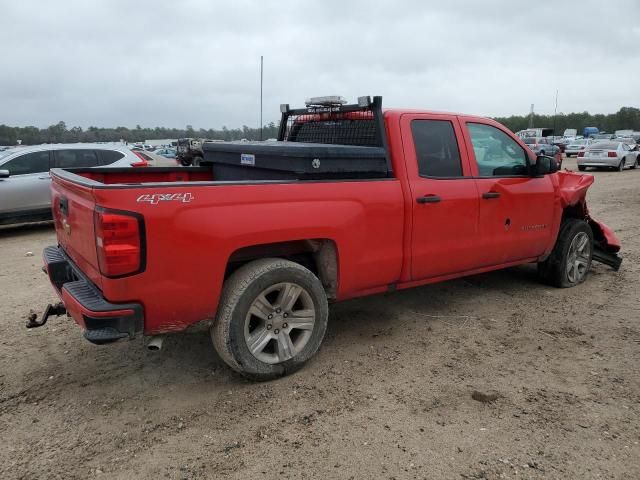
(115, 62)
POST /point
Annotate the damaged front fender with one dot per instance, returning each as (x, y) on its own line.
(572, 188)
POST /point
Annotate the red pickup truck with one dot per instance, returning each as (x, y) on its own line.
(370, 201)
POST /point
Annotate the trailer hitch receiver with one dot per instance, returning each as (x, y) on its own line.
(51, 310)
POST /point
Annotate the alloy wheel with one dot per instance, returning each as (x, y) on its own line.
(578, 257)
(279, 322)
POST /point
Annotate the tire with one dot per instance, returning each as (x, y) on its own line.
(197, 160)
(556, 270)
(235, 324)
(582, 168)
(635, 164)
(621, 165)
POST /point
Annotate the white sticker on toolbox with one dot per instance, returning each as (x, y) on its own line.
(247, 159)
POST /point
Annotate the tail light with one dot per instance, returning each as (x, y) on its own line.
(612, 154)
(143, 160)
(119, 242)
(581, 154)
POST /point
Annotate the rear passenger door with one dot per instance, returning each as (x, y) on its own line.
(75, 158)
(444, 203)
(516, 209)
(28, 187)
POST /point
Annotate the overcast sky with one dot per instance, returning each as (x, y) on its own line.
(170, 63)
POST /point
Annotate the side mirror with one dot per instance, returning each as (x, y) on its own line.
(5, 174)
(544, 166)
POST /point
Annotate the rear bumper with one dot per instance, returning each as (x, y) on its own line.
(102, 321)
(598, 161)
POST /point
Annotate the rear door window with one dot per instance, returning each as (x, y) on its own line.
(75, 158)
(110, 156)
(35, 162)
(436, 149)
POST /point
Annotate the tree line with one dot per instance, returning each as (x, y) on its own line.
(625, 118)
(60, 133)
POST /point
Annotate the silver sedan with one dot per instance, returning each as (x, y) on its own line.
(616, 155)
(25, 183)
(577, 146)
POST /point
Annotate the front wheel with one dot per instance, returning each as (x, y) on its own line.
(271, 319)
(570, 259)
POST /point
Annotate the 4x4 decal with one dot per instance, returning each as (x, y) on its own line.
(155, 198)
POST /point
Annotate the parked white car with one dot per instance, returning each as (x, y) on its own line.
(612, 154)
(24, 174)
(576, 146)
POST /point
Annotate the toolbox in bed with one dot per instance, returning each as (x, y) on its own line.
(294, 161)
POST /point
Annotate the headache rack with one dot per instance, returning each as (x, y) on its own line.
(359, 124)
(327, 140)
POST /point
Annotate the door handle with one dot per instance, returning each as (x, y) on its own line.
(490, 195)
(428, 199)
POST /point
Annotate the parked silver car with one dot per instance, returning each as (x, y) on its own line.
(24, 174)
(577, 146)
(616, 155)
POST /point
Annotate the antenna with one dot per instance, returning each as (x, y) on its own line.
(261, 76)
(555, 114)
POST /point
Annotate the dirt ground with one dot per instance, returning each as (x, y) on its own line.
(390, 395)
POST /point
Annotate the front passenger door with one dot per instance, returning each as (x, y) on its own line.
(27, 189)
(516, 209)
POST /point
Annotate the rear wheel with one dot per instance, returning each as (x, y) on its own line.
(621, 165)
(271, 319)
(571, 257)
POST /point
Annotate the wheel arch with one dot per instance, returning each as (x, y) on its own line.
(320, 255)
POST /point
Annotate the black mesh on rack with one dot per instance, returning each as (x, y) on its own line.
(341, 128)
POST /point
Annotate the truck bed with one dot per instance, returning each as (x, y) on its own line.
(193, 226)
(136, 176)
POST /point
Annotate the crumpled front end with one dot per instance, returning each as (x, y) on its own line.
(573, 192)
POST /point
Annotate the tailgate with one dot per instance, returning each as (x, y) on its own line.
(73, 206)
